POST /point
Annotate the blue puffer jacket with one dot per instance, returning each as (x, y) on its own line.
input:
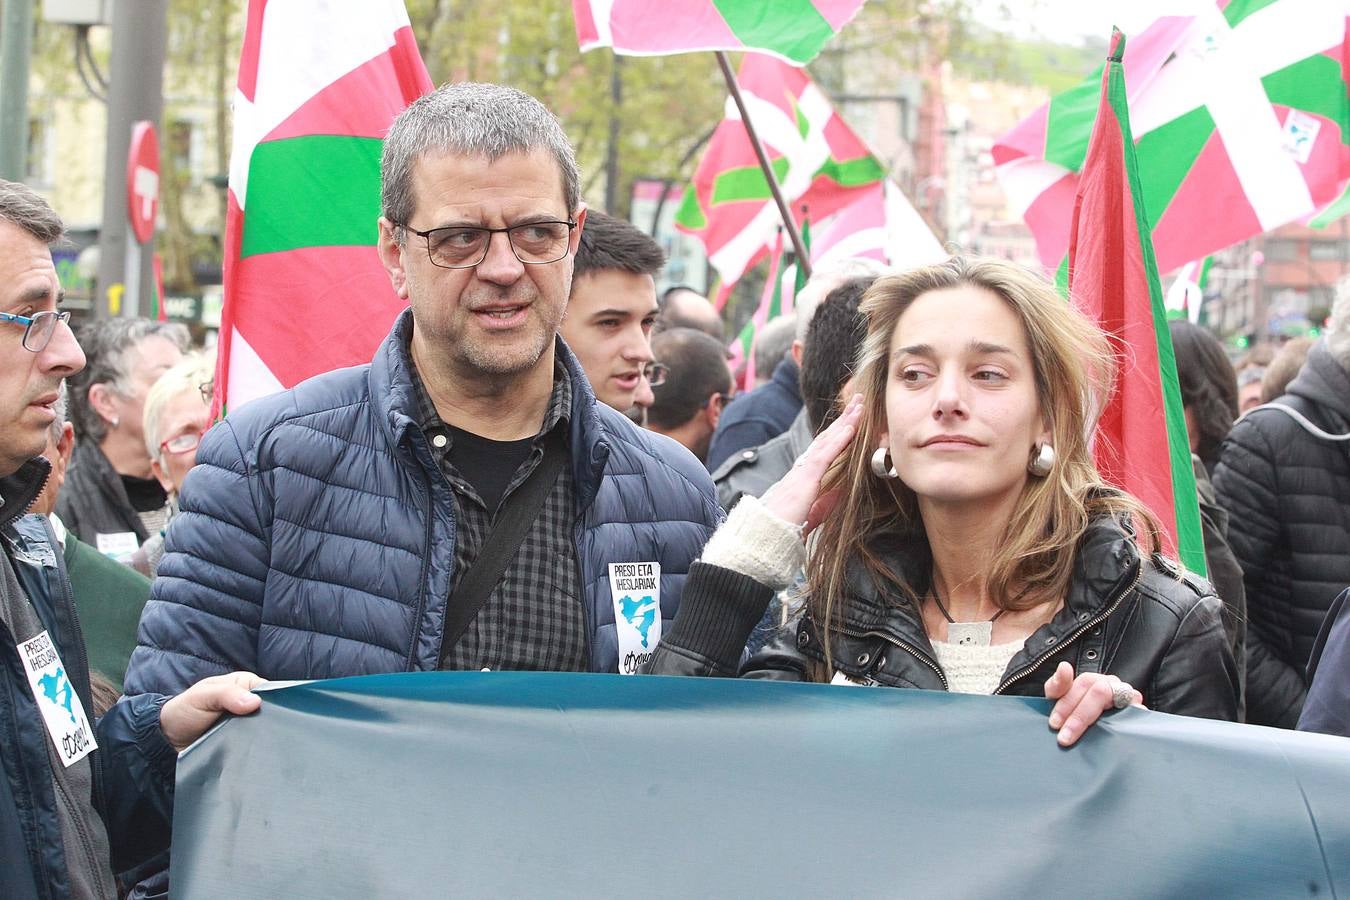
(133, 767)
(315, 537)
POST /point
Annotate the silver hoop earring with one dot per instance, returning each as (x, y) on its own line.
(881, 464)
(1042, 460)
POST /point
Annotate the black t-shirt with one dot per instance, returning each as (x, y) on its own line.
(145, 494)
(487, 465)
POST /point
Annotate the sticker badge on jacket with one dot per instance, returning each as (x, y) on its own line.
(61, 708)
(118, 545)
(636, 591)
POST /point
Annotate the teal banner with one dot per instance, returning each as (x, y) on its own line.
(529, 784)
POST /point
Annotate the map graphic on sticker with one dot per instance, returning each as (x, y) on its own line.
(640, 613)
(56, 686)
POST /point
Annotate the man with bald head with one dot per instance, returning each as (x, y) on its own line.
(684, 307)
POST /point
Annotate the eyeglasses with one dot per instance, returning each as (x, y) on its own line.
(463, 246)
(655, 373)
(181, 444)
(37, 328)
(721, 400)
(208, 390)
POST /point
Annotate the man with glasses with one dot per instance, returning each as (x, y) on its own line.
(612, 308)
(463, 501)
(54, 796)
(690, 400)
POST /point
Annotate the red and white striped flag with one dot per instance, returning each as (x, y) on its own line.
(320, 82)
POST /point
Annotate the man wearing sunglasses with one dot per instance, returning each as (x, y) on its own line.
(63, 775)
(463, 502)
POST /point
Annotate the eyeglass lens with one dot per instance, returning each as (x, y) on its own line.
(39, 332)
(656, 374)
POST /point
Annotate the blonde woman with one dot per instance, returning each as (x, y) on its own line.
(177, 413)
(965, 542)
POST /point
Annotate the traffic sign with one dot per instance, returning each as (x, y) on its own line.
(143, 180)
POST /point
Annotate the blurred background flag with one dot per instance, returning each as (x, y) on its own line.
(792, 30)
(1241, 119)
(319, 83)
(1140, 444)
(818, 160)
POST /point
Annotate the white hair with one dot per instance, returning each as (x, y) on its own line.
(825, 279)
(190, 374)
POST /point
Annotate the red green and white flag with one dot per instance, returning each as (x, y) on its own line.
(1242, 124)
(320, 81)
(818, 160)
(881, 224)
(792, 30)
(1140, 444)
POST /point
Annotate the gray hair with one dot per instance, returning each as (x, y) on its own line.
(1338, 333)
(825, 279)
(470, 119)
(24, 207)
(772, 343)
(109, 347)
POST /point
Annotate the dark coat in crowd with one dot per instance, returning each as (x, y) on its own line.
(315, 537)
(1143, 620)
(757, 416)
(757, 469)
(94, 501)
(53, 838)
(1225, 573)
(1327, 708)
(1286, 486)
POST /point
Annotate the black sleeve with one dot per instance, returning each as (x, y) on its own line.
(718, 610)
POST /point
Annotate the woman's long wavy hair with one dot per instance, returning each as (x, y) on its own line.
(1074, 374)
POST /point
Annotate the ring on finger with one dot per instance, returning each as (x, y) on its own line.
(1122, 695)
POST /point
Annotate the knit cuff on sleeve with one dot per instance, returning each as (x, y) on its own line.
(718, 611)
(757, 543)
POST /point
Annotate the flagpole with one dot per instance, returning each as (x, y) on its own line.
(789, 223)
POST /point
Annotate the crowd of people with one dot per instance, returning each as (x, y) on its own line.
(907, 498)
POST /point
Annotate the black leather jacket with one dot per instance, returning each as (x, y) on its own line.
(1146, 621)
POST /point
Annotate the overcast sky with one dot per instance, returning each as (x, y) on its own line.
(1069, 20)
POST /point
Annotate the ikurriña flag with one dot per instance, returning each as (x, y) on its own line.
(792, 30)
(1140, 444)
(818, 160)
(320, 82)
(1241, 119)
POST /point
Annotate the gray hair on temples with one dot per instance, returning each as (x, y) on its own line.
(25, 207)
(470, 119)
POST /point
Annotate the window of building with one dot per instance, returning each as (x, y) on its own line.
(1328, 250)
(1280, 250)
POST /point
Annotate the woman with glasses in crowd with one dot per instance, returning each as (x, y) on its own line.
(966, 541)
(177, 414)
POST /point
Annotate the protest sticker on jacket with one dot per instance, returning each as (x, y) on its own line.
(636, 591)
(62, 711)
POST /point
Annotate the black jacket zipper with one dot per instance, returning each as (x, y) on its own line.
(931, 663)
(1077, 633)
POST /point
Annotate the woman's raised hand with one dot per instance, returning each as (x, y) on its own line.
(1082, 700)
(796, 497)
